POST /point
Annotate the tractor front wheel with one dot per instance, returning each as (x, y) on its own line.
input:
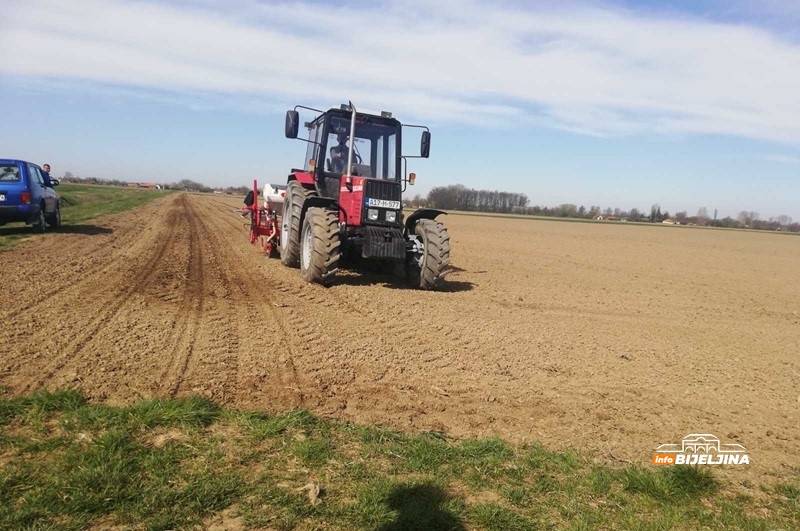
(430, 260)
(290, 223)
(320, 246)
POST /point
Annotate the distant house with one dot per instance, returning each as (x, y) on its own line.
(151, 186)
(668, 221)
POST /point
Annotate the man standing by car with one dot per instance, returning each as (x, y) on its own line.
(46, 175)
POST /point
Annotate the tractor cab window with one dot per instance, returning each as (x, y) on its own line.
(387, 156)
(339, 149)
(374, 148)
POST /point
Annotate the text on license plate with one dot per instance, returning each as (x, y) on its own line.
(383, 203)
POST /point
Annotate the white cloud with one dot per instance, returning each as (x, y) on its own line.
(785, 159)
(594, 71)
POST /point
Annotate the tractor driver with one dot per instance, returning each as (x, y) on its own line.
(340, 152)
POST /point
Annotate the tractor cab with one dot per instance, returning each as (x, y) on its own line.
(376, 146)
(351, 184)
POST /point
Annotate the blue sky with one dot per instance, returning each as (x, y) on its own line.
(625, 103)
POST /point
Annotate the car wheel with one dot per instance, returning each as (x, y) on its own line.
(55, 218)
(39, 222)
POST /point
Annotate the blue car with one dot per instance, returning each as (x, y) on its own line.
(27, 195)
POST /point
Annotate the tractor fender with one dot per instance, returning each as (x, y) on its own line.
(316, 201)
(422, 213)
(304, 177)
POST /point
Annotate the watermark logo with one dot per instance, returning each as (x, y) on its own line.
(701, 449)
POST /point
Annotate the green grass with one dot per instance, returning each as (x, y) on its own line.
(81, 204)
(68, 463)
(86, 202)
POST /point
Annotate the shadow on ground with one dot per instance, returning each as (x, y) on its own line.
(89, 230)
(421, 507)
(356, 277)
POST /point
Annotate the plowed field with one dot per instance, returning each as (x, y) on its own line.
(611, 339)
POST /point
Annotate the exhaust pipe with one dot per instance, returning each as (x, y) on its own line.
(348, 180)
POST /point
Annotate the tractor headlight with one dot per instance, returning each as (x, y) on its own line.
(372, 214)
(391, 216)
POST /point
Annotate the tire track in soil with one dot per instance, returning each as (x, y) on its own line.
(218, 368)
(246, 308)
(97, 249)
(208, 345)
(305, 331)
(345, 365)
(230, 336)
(249, 287)
(326, 361)
(244, 317)
(190, 307)
(73, 286)
(113, 304)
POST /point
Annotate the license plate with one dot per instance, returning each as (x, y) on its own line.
(383, 203)
(2, 197)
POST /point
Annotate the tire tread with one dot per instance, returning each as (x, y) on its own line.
(327, 247)
(436, 262)
(296, 196)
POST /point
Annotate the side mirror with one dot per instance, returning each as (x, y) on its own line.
(54, 182)
(292, 124)
(412, 178)
(425, 145)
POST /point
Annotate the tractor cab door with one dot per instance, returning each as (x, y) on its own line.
(315, 155)
(336, 146)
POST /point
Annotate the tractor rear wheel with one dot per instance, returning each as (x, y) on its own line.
(431, 261)
(290, 223)
(320, 246)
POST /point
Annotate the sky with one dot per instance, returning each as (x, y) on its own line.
(621, 103)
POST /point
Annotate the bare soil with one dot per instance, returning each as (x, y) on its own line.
(611, 339)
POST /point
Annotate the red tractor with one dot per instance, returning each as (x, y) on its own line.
(347, 200)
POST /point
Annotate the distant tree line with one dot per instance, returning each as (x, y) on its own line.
(459, 197)
(69, 177)
(189, 186)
